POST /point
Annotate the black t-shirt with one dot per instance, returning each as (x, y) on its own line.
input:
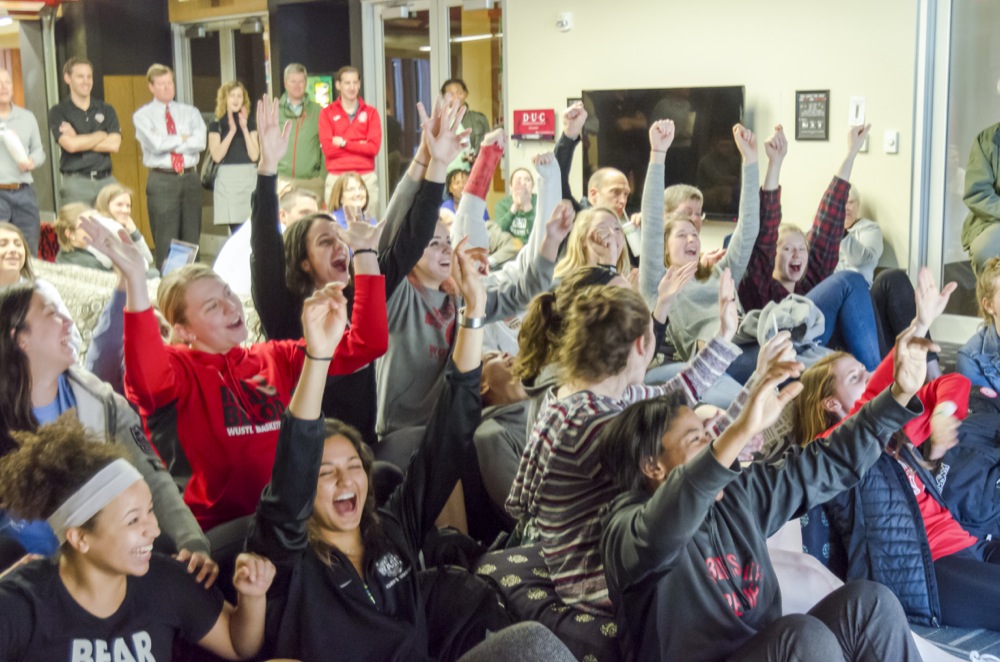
(98, 117)
(237, 153)
(39, 620)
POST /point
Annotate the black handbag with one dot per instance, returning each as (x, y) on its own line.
(209, 168)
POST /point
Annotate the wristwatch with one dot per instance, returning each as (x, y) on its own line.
(470, 322)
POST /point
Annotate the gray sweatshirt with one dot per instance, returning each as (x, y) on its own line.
(861, 248)
(694, 314)
(421, 332)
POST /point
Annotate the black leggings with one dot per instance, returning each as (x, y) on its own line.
(968, 584)
(861, 620)
(892, 298)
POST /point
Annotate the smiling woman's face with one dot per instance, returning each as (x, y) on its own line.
(434, 266)
(214, 317)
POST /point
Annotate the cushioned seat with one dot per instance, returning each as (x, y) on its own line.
(524, 581)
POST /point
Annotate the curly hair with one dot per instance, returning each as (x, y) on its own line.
(26, 271)
(375, 541)
(296, 240)
(598, 331)
(51, 464)
(542, 327)
(222, 98)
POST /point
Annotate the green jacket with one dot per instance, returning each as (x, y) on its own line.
(981, 185)
(304, 158)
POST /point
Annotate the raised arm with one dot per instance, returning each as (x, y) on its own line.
(437, 465)
(574, 118)
(276, 306)
(828, 226)
(469, 215)
(741, 245)
(414, 208)
(652, 269)
(757, 282)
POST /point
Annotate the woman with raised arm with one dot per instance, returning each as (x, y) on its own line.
(108, 595)
(41, 382)
(348, 576)
(312, 255)
(685, 545)
(220, 401)
(694, 317)
(424, 309)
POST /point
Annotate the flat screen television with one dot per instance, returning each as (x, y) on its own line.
(703, 153)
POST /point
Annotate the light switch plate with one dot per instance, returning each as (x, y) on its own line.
(891, 142)
(857, 113)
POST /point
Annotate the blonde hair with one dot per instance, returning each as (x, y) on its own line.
(576, 244)
(986, 286)
(673, 220)
(222, 98)
(66, 223)
(171, 295)
(811, 418)
(676, 195)
(786, 229)
(109, 193)
(157, 70)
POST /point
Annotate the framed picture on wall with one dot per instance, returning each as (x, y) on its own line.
(812, 115)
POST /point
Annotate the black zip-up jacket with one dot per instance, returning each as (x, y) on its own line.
(410, 221)
(690, 577)
(318, 612)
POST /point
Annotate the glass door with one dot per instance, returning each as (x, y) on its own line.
(403, 78)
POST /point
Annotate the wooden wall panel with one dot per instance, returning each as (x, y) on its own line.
(127, 94)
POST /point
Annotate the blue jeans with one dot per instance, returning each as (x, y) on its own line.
(850, 319)
(721, 394)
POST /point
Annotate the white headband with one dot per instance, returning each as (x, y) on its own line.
(96, 493)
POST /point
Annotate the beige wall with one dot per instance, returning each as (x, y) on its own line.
(852, 48)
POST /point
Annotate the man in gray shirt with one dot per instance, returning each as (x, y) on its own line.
(20, 153)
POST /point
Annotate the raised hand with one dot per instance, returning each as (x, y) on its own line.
(272, 136)
(324, 318)
(856, 138)
(546, 166)
(777, 349)
(253, 575)
(445, 144)
(243, 118)
(746, 142)
(468, 280)
(661, 135)
(495, 137)
(120, 250)
(910, 367)
(573, 120)
(944, 430)
(729, 315)
(710, 258)
(201, 563)
(557, 228)
(776, 147)
(930, 301)
(360, 234)
(669, 286)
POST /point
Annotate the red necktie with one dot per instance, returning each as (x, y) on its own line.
(176, 160)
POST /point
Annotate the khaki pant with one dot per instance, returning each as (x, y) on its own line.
(371, 183)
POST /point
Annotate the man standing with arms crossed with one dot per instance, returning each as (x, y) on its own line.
(302, 165)
(87, 130)
(172, 136)
(350, 133)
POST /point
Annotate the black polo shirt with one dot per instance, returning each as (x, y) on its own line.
(99, 117)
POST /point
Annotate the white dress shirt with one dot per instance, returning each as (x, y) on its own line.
(151, 131)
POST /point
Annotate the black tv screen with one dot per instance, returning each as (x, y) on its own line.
(703, 153)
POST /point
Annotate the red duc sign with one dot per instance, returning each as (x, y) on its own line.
(534, 125)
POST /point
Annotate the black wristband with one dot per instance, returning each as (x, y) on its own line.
(365, 250)
(317, 358)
